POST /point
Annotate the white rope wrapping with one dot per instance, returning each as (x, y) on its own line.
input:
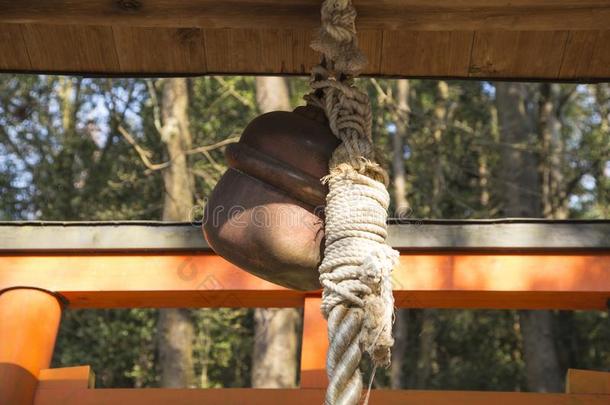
(357, 262)
(357, 299)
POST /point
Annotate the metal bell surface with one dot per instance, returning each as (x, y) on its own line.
(266, 214)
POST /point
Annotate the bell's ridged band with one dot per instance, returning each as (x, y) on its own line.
(290, 180)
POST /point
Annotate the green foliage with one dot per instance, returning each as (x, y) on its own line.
(223, 347)
(471, 344)
(118, 344)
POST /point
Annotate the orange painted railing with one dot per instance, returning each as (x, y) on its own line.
(32, 287)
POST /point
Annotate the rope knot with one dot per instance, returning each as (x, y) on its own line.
(339, 20)
(337, 37)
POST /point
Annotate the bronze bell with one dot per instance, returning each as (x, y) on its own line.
(266, 213)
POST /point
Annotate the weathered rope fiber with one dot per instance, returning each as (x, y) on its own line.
(357, 299)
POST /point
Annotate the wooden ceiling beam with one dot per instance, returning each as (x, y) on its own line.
(404, 15)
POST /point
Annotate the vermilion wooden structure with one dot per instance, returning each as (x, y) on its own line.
(36, 282)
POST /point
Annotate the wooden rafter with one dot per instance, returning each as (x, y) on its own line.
(408, 15)
(527, 39)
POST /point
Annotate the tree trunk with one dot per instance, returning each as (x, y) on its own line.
(541, 361)
(554, 202)
(427, 349)
(399, 351)
(398, 163)
(175, 326)
(440, 124)
(274, 360)
(519, 174)
(522, 198)
(427, 337)
(601, 174)
(484, 172)
(69, 95)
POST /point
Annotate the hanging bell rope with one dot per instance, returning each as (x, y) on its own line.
(357, 299)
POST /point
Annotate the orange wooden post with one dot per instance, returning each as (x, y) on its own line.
(315, 345)
(29, 320)
(587, 382)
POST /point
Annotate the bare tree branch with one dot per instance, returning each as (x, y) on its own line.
(143, 153)
(155, 104)
(208, 178)
(215, 165)
(207, 148)
(388, 99)
(383, 96)
(231, 89)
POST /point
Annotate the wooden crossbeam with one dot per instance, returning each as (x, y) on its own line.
(497, 235)
(451, 280)
(243, 396)
(419, 15)
(520, 39)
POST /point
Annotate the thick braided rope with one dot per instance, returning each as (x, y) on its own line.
(355, 272)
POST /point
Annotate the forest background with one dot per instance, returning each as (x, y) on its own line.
(74, 148)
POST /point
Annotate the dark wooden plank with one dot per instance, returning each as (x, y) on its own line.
(600, 65)
(160, 50)
(303, 56)
(426, 53)
(276, 51)
(289, 51)
(71, 48)
(13, 53)
(416, 236)
(578, 54)
(371, 43)
(260, 51)
(509, 54)
(459, 15)
(233, 50)
(216, 44)
(587, 55)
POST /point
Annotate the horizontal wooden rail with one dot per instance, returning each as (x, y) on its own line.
(72, 386)
(242, 396)
(372, 14)
(450, 280)
(510, 234)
